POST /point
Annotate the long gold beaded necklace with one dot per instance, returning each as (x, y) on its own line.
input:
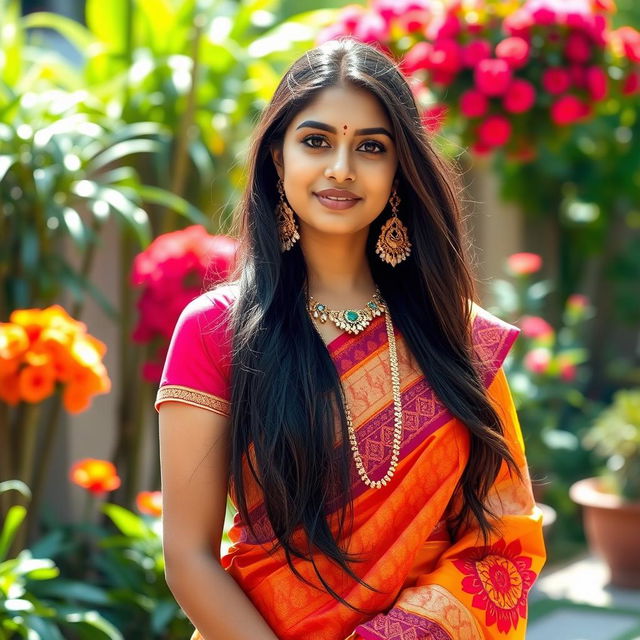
(355, 324)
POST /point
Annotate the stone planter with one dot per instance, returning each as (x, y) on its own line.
(612, 526)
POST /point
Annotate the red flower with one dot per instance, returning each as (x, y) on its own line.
(518, 23)
(371, 28)
(556, 80)
(596, 82)
(418, 57)
(569, 109)
(499, 579)
(434, 116)
(631, 84)
(524, 264)
(537, 360)
(544, 16)
(473, 103)
(446, 56)
(520, 96)
(514, 50)
(578, 47)
(475, 51)
(492, 76)
(535, 327)
(96, 476)
(628, 39)
(494, 131)
(150, 503)
(578, 301)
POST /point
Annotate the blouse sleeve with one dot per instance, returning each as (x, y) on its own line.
(478, 590)
(197, 367)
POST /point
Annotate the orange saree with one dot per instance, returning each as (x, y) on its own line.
(432, 587)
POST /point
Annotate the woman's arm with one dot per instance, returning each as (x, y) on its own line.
(194, 459)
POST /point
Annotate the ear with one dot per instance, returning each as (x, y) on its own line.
(276, 156)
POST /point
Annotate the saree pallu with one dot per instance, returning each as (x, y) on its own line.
(432, 587)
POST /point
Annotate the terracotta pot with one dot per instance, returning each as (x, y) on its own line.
(612, 525)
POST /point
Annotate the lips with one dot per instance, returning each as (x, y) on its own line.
(338, 194)
(337, 199)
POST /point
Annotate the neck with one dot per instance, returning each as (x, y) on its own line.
(338, 272)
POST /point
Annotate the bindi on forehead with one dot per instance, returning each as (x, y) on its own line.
(345, 129)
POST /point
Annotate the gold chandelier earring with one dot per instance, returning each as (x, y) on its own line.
(287, 227)
(393, 243)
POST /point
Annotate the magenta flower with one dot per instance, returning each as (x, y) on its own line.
(475, 51)
(537, 360)
(494, 131)
(556, 80)
(520, 96)
(492, 76)
(171, 271)
(569, 109)
(514, 50)
(473, 103)
(535, 327)
(524, 264)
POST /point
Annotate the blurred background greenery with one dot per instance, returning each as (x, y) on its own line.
(136, 118)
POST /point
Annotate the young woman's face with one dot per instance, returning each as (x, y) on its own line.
(342, 140)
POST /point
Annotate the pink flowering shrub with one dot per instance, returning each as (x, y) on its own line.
(547, 366)
(505, 71)
(171, 272)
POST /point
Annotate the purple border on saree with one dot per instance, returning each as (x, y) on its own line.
(401, 625)
(423, 413)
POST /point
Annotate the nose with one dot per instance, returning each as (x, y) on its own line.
(340, 166)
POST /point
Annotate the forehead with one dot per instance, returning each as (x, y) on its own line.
(344, 104)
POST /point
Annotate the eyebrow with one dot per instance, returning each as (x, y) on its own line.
(359, 132)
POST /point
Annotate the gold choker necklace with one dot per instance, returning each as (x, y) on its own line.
(397, 402)
(349, 320)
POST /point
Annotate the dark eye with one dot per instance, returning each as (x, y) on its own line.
(313, 137)
(378, 145)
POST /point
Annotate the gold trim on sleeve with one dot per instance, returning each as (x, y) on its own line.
(187, 395)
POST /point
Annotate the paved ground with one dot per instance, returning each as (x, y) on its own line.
(577, 603)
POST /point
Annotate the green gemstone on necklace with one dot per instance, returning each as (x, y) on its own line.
(372, 305)
(320, 307)
(351, 316)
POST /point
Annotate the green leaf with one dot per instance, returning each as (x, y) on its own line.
(6, 162)
(162, 614)
(128, 522)
(46, 629)
(135, 217)
(70, 590)
(93, 621)
(172, 201)
(75, 226)
(122, 150)
(109, 26)
(73, 31)
(12, 522)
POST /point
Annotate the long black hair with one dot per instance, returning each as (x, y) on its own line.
(285, 390)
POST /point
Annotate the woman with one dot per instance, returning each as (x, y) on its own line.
(346, 391)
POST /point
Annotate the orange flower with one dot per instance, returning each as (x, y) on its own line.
(96, 476)
(56, 342)
(150, 503)
(9, 390)
(14, 342)
(75, 399)
(36, 382)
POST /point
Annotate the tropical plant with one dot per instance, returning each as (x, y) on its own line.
(548, 370)
(615, 436)
(27, 608)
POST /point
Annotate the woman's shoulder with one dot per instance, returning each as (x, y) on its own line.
(213, 302)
